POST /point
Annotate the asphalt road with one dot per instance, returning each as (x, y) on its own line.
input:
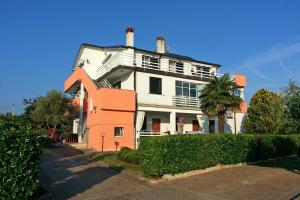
(68, 174)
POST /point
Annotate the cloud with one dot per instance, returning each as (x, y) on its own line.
(274, 56)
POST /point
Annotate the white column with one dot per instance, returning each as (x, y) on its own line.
(172, 122)
(81, 113)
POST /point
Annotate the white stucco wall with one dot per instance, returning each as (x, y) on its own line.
(168, 88)
(164, 120)
(93, 58)
(229, 123)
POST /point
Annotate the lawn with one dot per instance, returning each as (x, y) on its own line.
(111, 159)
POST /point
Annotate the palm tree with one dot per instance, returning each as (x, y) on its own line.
(217, 98)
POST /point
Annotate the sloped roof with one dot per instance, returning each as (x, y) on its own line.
(171, 55)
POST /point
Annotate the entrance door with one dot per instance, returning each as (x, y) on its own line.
(211, 125)
(156, 124)
(196, 126)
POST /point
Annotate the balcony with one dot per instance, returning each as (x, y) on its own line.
(186, 102)
(150, 62)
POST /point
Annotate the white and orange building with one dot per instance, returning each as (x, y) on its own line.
(126, 93)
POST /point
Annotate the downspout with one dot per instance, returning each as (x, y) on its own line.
(134, 122)
(234, 120)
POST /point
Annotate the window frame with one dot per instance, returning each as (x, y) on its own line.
(121, 133)
(181, 86)
(159, 90)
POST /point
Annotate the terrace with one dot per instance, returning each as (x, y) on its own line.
(157, 63)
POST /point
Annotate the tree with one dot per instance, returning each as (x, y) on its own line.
(52, 110)
(265, 113)
(218, 97)
(291, 98)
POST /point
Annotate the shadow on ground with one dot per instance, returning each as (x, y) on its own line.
(291, 164)
(66, 172)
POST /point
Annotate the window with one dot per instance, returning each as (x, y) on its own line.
(205, 71)
(188, 89)
(119, 131)
(237, 93)
(229, 115)
(199, 89)
(179, 67)
(150, 62)
(117, 85)
(155, 85)
(175, 66)
(193, 91)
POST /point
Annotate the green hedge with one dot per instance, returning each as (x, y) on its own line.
(20, 148)
(129, 155)
(181, 153)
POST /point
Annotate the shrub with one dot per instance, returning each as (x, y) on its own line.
(265, 113)
(20, 148)
(271, 146)
(181, 153)
(129, 155)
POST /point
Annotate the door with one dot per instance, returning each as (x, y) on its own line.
(211, 125)
(196, 126)
(156, 124)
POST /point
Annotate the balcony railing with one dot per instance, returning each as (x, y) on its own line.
(150, 133)
(186, 102)
(130, 60)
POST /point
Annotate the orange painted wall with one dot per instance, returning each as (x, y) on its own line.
(76, 102)
(243, 107)
(112, 108)
(240, 80)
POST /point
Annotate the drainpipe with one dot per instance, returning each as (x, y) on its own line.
(234, 122)
(80, 133)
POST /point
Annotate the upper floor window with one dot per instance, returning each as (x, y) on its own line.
(117, 85)
(175, 66)
(199, 70)
(150, 62)
(188, 89)
(237, 92)
(155, 85)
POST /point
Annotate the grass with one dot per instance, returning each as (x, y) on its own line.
(288, 163)
(111, 159)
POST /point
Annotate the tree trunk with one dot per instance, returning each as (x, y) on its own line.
(221, 122)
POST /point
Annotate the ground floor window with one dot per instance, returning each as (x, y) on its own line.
(119, 131)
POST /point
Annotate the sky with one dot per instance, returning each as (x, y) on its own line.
(39, 40)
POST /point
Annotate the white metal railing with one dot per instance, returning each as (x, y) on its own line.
(194, 132)
(116, 60)
(154, 63)
(186, 102)
(105, 83)
(150, 133)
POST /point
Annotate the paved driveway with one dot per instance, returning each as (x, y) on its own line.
(68, 174)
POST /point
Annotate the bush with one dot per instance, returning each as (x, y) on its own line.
(20, 148)
(271, 146)
(265, 113)
(181, 153)
(129, 155)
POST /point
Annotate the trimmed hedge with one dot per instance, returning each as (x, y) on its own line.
(129, 155)
(20, 148)
(180, 153)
